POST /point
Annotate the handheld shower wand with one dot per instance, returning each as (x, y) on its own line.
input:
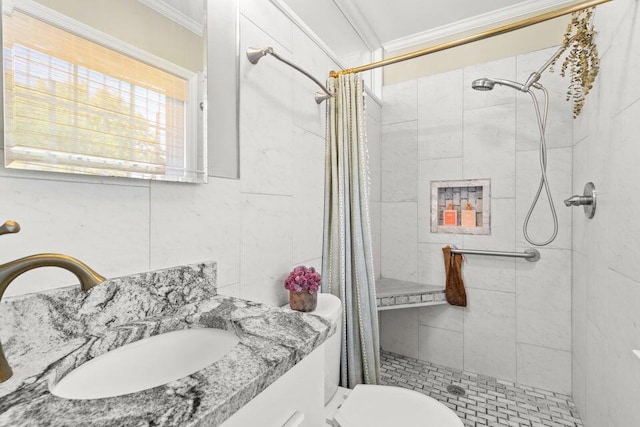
(485, 84)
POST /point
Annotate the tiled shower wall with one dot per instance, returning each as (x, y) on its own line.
(256, 227)
(517, 325)
(606, 249)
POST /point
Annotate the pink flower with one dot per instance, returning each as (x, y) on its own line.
(303, 279)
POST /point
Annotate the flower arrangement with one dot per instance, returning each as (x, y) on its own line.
(303, 279)
(581, 62)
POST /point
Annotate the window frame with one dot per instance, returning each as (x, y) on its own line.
(195, 145)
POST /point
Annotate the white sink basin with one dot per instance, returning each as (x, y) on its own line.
(145, 364)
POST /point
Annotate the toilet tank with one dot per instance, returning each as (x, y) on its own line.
(330, 308)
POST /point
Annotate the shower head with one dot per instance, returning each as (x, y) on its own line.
(485, 84)
(254, 54)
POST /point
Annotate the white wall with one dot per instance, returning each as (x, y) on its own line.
(517, 325)
(374, 145)
(606, 272)
(256, 228)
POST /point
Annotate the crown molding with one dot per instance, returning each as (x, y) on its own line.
(486, 19)
(297, 21)
(359, 23)
(175, 15)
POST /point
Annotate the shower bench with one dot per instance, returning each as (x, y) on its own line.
(393, 294)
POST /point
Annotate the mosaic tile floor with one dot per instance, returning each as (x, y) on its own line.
(487, 402)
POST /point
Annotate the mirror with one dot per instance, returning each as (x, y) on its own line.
(106, 87)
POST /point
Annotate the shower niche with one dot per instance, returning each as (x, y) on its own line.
(461, 207)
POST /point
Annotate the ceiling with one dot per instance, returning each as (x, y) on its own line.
(392, 20)
(347, 26)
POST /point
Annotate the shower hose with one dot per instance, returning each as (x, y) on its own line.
(544, 183)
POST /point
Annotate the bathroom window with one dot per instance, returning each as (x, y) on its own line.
(80, 101)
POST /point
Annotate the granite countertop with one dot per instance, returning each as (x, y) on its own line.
(48, 334)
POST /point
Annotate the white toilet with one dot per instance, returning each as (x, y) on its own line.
(374, 405)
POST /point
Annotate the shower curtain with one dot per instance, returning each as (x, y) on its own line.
(347, 258)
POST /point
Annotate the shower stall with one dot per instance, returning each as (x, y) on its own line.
(517, 325)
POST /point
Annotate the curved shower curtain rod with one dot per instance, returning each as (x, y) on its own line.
(254, 55)
(484, 34)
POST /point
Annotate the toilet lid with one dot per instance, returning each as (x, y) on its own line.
(384, 406)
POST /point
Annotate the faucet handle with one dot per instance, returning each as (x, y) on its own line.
(587, 200)
(9, 227)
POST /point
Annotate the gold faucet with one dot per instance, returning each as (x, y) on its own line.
(9, 271)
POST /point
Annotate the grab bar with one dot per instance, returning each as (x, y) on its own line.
(531, 255)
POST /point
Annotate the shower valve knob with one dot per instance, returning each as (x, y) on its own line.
(588, 200)
(578, 201)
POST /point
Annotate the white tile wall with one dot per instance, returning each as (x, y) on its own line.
(519, 313)
(579, 309)
(105, 226)
(623, 367)
(443, 317)
(606, 281)
(578, 386)
(441, 346)
(503, 69)
(374, 148)
(266, 252)
(596, 381)
(400, 102)
(545, 368)
(624, 58)
(624, 176)
(269, 19)
(230, 290)
(266, 114)
(307, 114)
(257, 228)
(490, 333)
(559, 124)
(200, 224)
(430, 263)
(399, 162)
(307, 185)
(399, 246)
(503, 228)
(489, 147)
(440, 115)
(490, 274)
(544, 300)
(527, 181)
(399, 331)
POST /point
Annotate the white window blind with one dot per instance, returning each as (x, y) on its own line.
(73, 105)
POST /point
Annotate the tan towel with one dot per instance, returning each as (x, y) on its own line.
(454, 288)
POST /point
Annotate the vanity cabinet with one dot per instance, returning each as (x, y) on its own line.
(296, 399)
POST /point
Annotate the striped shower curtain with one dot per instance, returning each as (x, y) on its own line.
(347, 261)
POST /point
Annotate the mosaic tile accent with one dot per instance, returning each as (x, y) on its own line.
(487, 402)
(394, 294)
(459, 194)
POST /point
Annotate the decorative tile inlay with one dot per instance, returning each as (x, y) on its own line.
(487, 401)
(456, 197)
(394, 294)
